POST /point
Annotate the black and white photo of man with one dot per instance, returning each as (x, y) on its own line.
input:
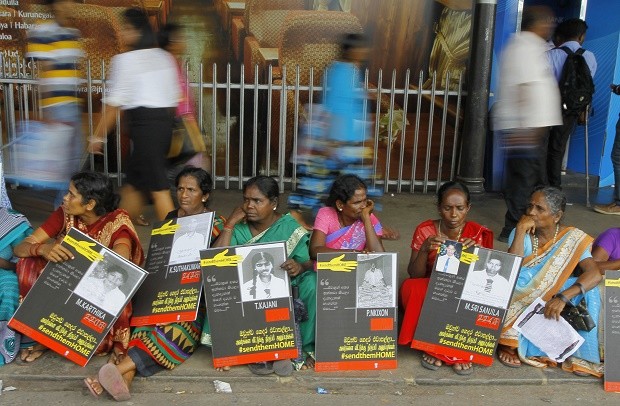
(487, 285)
(101, 286)
(187, 245)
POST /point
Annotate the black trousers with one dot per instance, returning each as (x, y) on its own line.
(524, 171)
(558, 138)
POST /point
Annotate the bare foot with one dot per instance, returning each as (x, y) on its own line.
(430, 362)
(223, 369)
(308, 363)
(463, 368)
(508, 356)
(32, 353)
(93, 386)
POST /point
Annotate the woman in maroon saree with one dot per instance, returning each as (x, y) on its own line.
(90, 206)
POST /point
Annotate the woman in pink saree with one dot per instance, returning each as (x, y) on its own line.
(347, 222)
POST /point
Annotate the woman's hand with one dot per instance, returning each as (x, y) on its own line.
(467, 242)
(526, 225)
(292, 267)
(54, 252)
(553, 308)
(370, 206)
(236, 216)
(432, 243)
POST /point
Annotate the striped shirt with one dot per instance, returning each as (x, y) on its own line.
(60, 48)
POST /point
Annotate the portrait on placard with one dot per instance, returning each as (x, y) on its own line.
(191, 237)
(449, 257)
(376, 280)
(490, 278)
(260, 275)
(107, 284)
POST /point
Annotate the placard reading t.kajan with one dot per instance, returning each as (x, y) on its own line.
(171, 293)
(356, 311)
(612, 331)
(466, 301)
(249, 304)
(73, 304)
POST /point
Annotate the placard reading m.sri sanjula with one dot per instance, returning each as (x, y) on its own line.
(73, 304)
(171, 293)
(249, 304)
(465, 304)
(356, 311)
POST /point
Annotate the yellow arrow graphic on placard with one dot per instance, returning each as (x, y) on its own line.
(468, 258)
(336, 264)
(221, 259)
(84, 248)
(166, 229)
(614, 283)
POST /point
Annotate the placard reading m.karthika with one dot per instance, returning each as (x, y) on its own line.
(171, 293)
(356, 311)
(249, 304)
(73, 304)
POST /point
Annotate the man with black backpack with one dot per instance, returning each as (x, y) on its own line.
(574, 68)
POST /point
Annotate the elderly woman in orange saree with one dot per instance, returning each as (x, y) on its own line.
(90, 206)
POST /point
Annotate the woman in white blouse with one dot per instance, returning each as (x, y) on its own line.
(143, 83)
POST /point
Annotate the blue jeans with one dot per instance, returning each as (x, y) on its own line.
(69, 114)
(615, 160)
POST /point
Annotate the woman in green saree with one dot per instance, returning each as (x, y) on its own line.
(257, 220)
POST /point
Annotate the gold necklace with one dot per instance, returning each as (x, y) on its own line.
(535, 240)
(458, 237)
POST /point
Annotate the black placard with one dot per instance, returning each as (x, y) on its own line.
(356, 293)
(465, 305)
(73, 304)
(171, 293)
(250, 320)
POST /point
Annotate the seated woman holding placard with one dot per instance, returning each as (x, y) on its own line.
(91, 206)
(347, 223)
(558, 268)
(453, 205)
(156, 348)
(257, 220)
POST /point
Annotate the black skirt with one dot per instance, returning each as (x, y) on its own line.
(150, 131)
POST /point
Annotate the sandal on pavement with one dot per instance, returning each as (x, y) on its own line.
(261, 368)
(459, 370)
(508, 352)
(283, 367)
(89, 382)
(430, 365)
(112, 381)
(32, 353)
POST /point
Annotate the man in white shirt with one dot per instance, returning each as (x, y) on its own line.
(101, 287)
(186, 248)
(487, 286)
(528, 103)
(448, 263)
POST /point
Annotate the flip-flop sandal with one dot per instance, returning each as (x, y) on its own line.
(34, 354)
(283, 367)
(463, 372)
(429, 365)
(112, 381)
(261, 368)
(581, 373)
(91, 388)
(506, 363)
